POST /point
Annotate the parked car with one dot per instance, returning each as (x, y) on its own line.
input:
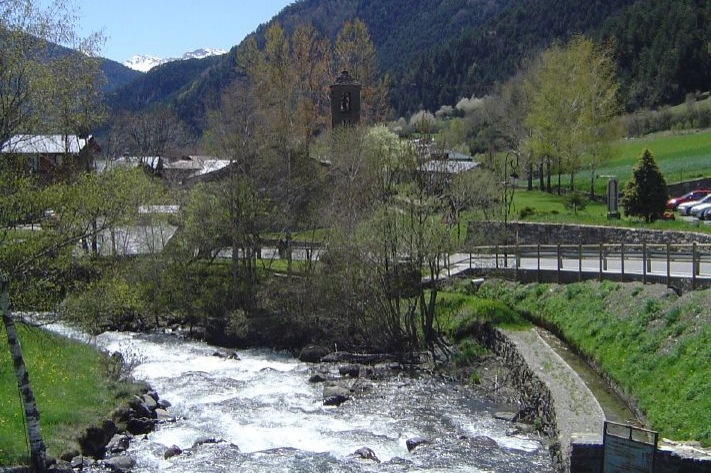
(698, 209)
(685, 207)
(705, 214)
(696, 194)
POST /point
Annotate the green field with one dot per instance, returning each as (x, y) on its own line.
(70, 382)
(681, 156)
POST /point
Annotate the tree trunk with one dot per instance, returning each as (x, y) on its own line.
(38, 456)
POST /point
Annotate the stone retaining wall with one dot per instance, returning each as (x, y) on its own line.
(536, 398)
(531, 233)
(586, 452)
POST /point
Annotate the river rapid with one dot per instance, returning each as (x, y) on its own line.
(269, 418)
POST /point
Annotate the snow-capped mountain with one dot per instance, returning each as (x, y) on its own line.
(144, 63)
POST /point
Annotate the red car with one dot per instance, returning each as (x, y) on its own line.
(697, 194)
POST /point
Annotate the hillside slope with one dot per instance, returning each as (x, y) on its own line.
(438, 51)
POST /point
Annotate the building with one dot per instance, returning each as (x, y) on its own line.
(53, 157)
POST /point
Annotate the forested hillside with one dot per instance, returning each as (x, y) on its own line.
(436, 52)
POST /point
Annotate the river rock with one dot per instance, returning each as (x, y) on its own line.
(60, 467)
(204, 440)
(140, 426)
(118, 444)
(120, 464)
(313, 353)
(173, 451)
(335, 400)
(164, 404)
(80, 462)
(94, 440)
(121, 414)
(164, 416)
(317, 378)
(150, 402)
(139, 407)
(366, 454)
(351, 370)
(507, 416)
(482, 441)
(415, 442)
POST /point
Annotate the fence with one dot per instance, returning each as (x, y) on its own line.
(678, 265)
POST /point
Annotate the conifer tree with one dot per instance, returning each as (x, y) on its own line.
(645, 194)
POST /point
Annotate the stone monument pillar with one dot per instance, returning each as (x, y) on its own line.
(613, 199)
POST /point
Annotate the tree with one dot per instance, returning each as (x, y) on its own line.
(29, 93)
(645, 194)
(573, 100)
(355, 53)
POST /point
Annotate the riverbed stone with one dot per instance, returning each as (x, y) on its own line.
(204, 440)
(352, 370)
(482, 441)
(118, 443)
(120, 464)
(415, 442)
(313, 353)
(94, 440)
(172, 451)
(317, 378)
(366, 453)
(140, 426)
(150, 402)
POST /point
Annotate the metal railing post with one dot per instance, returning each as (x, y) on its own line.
(560, 263)
(693, 266)
(622, 262)
(644, 262)
(668, 265)
(538, 262)
(600, 263)
(580, 262)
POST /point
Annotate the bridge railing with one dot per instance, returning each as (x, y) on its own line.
(623, 261)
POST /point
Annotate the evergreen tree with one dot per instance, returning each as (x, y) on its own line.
(645, 195)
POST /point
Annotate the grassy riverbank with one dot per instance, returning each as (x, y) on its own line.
(73, 387)
(655, 345)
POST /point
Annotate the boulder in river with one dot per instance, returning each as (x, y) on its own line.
(415, 442)
(313, 353)
(118, 443)
(93, 441)
(366, 454)
(120, 464)
(173, 451)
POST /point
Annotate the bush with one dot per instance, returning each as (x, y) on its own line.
(575, 201)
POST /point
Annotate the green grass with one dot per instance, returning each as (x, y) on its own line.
(71, 384)
(680, 155)
(655, 347)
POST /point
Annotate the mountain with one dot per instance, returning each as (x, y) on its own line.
(437, 51)
(145, 63)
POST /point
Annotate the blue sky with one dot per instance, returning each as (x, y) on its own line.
(169, 28)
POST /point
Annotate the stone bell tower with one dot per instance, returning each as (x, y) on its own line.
(345, 101)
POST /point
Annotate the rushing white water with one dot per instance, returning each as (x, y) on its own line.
(264, 405)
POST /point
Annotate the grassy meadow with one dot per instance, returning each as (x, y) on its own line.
(72, 384)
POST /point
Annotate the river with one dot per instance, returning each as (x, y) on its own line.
(269, 418)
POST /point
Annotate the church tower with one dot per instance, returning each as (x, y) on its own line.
(345, 101)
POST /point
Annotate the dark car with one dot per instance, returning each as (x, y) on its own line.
(697, 194)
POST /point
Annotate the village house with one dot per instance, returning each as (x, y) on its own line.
(52, 157)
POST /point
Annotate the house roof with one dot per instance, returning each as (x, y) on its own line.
(448, 166)
(44, 144)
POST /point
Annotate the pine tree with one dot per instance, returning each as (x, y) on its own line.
(645, 194)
